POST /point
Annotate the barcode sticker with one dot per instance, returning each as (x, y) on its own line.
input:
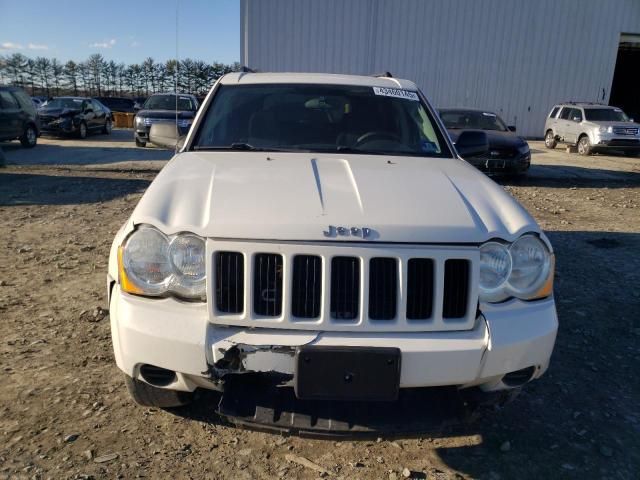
(396, 93)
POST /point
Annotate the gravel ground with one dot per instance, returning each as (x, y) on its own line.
(64, 411)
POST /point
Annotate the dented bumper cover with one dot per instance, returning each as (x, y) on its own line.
(178, 336)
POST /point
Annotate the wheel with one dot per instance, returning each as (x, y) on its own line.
(140, 143)
(107, 127)
(30, 137)
(550, 140)
(149, 396)
(584, 145)
(82, 130)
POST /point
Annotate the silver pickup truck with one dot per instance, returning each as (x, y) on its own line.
(592, 128)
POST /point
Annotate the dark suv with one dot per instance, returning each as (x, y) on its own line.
(164, 108)
(18, 117)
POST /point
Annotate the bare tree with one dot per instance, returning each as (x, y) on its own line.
(70, 72)
(43, 69)
(56, 73)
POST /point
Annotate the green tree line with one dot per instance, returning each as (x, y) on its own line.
(99, 77)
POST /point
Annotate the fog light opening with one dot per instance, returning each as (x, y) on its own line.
(519, 377)
(156, 376)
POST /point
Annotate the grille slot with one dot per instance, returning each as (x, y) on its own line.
(625, 130)
(383, 288)
(306, 286)
(229, 282)
(419, 288)
(456, 288)
(267, 284)
(345, 287)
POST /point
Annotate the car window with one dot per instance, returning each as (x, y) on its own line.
(471, 119)
(7, 102)
(168, 102)
(575, 112)
(554, 112)
(96, 106)
(25, 101)
(324, 118)
(605, 115)
(565, 114)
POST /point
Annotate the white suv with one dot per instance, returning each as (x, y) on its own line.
(319, 236)
(592, 127)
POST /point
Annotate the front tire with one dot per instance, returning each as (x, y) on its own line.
(550, 140)
(107, 127)
(584, 146)
(82, 131)
(140, 143)
(149, 396)
(30, 137)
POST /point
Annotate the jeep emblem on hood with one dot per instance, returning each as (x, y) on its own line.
(333, 231)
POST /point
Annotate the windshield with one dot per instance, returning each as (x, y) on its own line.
(323, 118)
(62, 103)
(605, 115)
(463, 119)
(168, 102)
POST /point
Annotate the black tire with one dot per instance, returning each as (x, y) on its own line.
(107, 127)
(149, 396)
(550, 140)
(584, 146)
(82, 130)
(140, 143)
(30, 137)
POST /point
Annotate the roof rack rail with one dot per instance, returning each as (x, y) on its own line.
(579, 102)
(245, 69)
(383, 75)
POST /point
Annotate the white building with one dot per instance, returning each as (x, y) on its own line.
(514, 57)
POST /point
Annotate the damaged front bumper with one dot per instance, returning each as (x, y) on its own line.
(178, 336)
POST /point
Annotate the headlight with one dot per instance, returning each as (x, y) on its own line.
(151, 263)
(605, 129)
(139, 120)
(523, 269)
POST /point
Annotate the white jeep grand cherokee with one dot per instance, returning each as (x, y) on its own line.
(318, 237)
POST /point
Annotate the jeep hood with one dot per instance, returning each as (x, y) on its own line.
(296, 196)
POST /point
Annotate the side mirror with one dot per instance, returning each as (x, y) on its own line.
(511, 128)
(166, 135)
(137, 107)
(577, 119)
(631, 120)
(88, 110)
(472, 143)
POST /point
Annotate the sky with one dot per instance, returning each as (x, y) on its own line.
(124, 31)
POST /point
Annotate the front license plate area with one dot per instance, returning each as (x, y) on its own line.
(347, 373)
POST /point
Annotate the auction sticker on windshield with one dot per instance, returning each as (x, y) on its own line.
(396, 92)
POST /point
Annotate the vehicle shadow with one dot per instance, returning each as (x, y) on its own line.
(32, 189)
(567, 176)
(582, 418)
(72, 154)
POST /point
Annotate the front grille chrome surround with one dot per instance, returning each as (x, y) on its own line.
(307, 277)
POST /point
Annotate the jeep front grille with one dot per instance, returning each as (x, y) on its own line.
(343, 287)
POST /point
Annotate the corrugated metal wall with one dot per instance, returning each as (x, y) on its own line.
(516, 57)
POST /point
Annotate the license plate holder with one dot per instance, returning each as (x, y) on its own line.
(498, 164)
(347, 373)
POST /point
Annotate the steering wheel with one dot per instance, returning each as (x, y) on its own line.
(369, 136)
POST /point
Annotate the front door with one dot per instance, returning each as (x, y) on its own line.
(573, 126)
(10, 123)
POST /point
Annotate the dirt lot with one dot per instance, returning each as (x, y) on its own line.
(64, 412)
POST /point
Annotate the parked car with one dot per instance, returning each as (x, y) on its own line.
(592, 128)
(75, 116)
(18, 117)
(508, 152)
(164, 108)
(118, 104)
(319, 238)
